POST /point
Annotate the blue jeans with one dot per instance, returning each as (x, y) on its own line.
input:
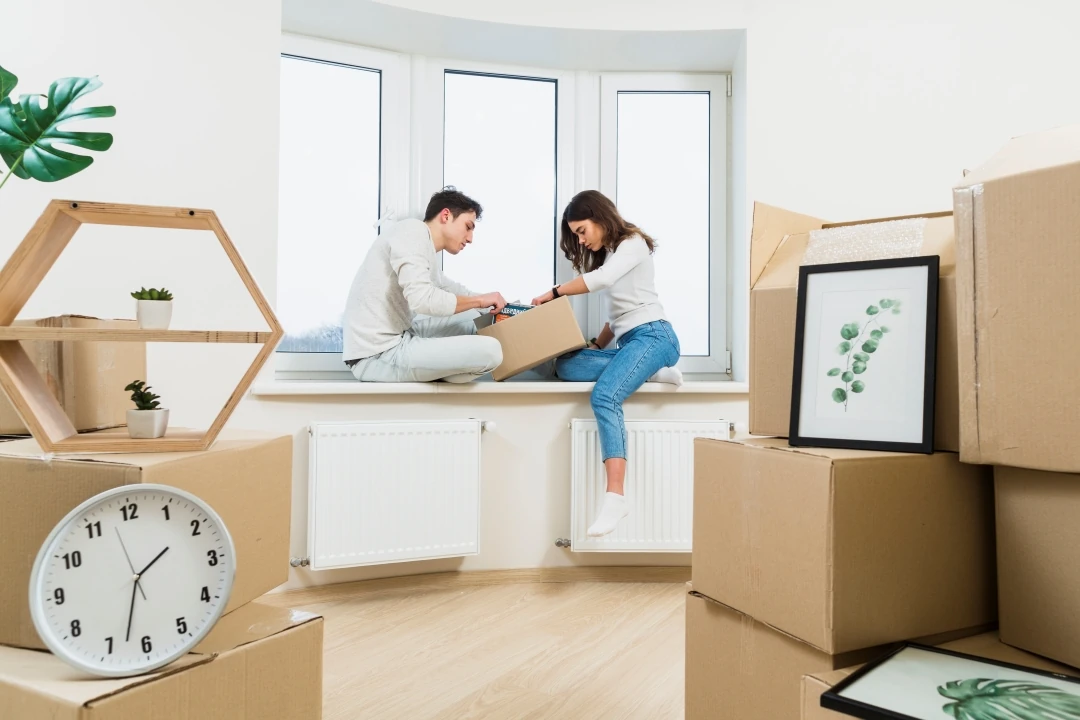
(618, 373)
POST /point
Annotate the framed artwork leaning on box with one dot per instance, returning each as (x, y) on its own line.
(917, 682)
(865, 354)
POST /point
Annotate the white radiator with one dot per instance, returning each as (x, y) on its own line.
(659, 485)
(382, 492)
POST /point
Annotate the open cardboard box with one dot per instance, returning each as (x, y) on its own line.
(86, 378)
(258, 662)
(533, 337)
(779, 242)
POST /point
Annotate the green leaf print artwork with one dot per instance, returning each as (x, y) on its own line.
(983, 699)
(860, 342)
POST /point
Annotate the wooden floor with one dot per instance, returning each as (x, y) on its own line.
(523, 650)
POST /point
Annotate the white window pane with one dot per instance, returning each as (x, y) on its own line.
(663, 188)
(329, 195)
(499, 149)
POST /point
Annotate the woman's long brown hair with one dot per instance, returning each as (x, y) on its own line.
(595, 206)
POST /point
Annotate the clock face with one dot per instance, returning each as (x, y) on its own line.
(132, 579)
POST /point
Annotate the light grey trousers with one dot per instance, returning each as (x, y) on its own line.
(434, 348)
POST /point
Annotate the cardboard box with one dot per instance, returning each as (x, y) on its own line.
(1018, 278)
(86, 378)
(986, 645)
(738, 668)
(778, 247)
(258, 662)
(245, 477)
(1038, 536)
(533, 337)
(844, 549)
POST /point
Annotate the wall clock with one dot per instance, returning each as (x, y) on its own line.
(132, 579)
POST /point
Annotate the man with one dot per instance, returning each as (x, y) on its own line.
(399, 280)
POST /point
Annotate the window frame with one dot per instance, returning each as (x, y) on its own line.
(411, 166)
(393, 161)
(717, 362)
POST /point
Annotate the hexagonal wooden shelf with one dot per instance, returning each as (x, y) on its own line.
(25, 270)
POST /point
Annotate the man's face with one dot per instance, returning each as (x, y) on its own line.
(457, 231)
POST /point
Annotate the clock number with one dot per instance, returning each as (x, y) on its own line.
(146, 646)
(130, 512)
(181, 626)
(213, 557)
(72, 560)
(109, 640)
(58, 595)
(195, 526)
(94, 527)
(205, 597)
(76, 628)
(166, 509)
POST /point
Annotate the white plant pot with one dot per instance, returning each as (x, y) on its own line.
(147, 423)
(154, 314)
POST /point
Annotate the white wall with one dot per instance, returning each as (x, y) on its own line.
(195, 86)
(848, 112)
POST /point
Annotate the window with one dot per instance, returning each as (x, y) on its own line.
(499, 147)
(392, 129)
(662, 162)
(329, 194)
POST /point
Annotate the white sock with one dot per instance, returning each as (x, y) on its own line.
(667, 375)
(611, 513)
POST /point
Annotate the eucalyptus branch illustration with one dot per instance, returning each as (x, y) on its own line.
(856, 363)
(984, 699)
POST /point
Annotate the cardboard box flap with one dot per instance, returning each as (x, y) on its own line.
(831, 454)
(770, 226)
(772, 628)
(1028, 153)
(251, 623)
(228, 441)
(47, 675)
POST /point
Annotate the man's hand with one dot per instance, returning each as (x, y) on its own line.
(492, 300)
(545, 298)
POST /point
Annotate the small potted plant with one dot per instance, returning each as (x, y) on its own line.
(154, 310)
(147, 420)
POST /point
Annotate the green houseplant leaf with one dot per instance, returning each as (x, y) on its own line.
(29, 132)
(858, 386)
(839, 395)
(834, 372)
(983, 699)
(7, 83)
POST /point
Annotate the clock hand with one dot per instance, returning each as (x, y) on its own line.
(128, 559)
(143, 571)
(131, 612)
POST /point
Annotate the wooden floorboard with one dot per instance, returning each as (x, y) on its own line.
(582, 650)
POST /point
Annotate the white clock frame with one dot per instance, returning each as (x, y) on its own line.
(71, 523)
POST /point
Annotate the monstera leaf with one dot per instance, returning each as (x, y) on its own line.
(29, 132)
(982, 699)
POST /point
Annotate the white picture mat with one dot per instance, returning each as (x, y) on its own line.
(908, 682)
(890, 409)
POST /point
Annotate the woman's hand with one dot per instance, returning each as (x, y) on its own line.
(545, 298)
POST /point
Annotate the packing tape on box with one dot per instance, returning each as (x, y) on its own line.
(873, 241)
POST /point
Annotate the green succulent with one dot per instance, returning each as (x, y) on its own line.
(152, 294)
(141, 395)
(31, 131)
(983, 699)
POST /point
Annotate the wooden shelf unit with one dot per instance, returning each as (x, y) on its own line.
(25, 270)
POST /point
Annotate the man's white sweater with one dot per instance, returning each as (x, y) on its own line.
(398, 280)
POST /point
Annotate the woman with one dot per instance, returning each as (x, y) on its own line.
(636, 345)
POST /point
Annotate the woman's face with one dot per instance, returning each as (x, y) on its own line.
(588, 234)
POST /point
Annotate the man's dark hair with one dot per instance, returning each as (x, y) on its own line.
(454, 201)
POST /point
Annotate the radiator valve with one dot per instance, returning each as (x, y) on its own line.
(562, 542)
(299, 562)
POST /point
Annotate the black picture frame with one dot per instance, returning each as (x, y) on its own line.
(832, 699)
(931, 263)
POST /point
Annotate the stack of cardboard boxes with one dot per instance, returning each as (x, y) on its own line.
(808, 562)
(258, 661)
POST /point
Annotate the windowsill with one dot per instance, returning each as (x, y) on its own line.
(352, 387)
